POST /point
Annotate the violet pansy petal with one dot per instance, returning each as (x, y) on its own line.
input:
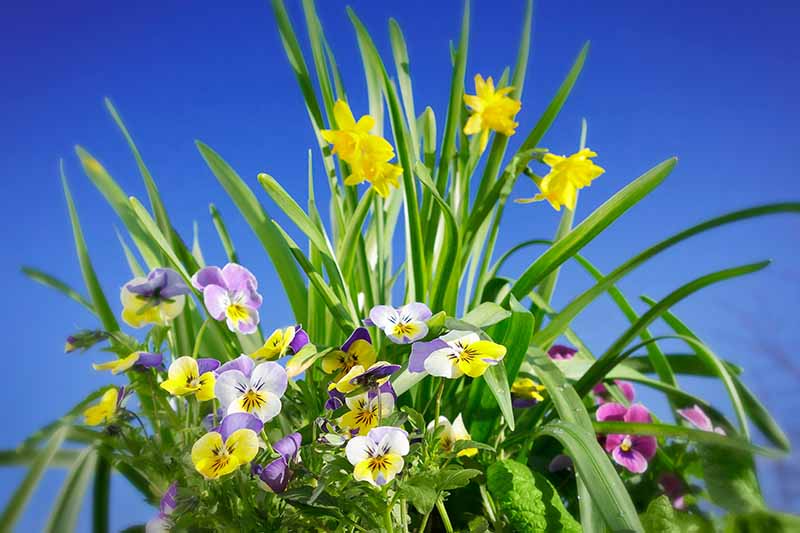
(236, 421)
(216, 300)
(300, 339)
(637, 413)
(246, 326)
(276, 475)
(627, 390)
(613, 441)
(523, 403)
(210, 275)
(645, 444)
(420, 351)
(559, 351)
(335, 399)
(418, 311)
(206, 364)
(237, 277)
(270, 377)
(150, 360)
(243, 363)
(358, 334)
(289, 446)
(611, 412)
(172, 284)
(169, 499)
(697, 417)
(383, 316)
(632, 460)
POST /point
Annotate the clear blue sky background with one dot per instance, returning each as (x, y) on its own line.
(714, 82)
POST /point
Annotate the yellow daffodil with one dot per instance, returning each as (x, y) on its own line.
(214, 457)
(187, 375)
(567, 176)
(451, 433)
(354, 352)
(346, 140)
(379, 173)
(105, 410)
(491, 110)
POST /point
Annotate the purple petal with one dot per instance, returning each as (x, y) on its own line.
(206, 364)
(335, 400)
(627, 389)
(559, 351)
(359, 333)
(238, 278)
(611, 412)
(385, 388)
(560, 462)
(523, 403)
(418, 311)
(236, 421)
(383, 315)
(216, 300)
(300, 339)
(243, 363)
(211, 275)
(637, 413)
(600, 389)
(276, 475)
(168, 500)
(150, 360)
(613, 441)
(645, 444)
(631, 460)
(697, 417)
(377, 371)
(172, 284)
(289, 446)
(377, 434)
(420, 351)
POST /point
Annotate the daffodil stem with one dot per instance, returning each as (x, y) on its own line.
(445, 518)
(198, 340)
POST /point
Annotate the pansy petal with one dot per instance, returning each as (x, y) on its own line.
(289, 445)
(207, 382)
(150, 360)
(420, 351)
(229, 386)
(246, 325)
(358, 449)
(216, 301)
(234, 422)
(440, 364)
(359, 333)
(182, 368)
(362, 353)
(243, 363)
(489, 351)
(613, 441)
(638, 413)
(611, 412)
(390, 439)
(300, 339)
(632, 460)
(417, 311)
(205, 447)
(243, 445)
(210, 275)
(269, 409)
(270, 377)
(207, 364)
(383, 316)
(645, 444)
(697, 417)
(237, 277)
(459, 429)
(276, 475)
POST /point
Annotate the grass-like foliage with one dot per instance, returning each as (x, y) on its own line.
(454, 411)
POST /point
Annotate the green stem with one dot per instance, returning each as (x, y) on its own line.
(404, 514)
(488, 507)
(387, 518)
(448, 527)
(199, 338)
(424, 523)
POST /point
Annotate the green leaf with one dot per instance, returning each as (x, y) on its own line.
(598, 474)
(452, 478)
(486, 314)
(19, 500)
(49, 281)
(224, 236)
(660, 517)
(264, 228)
(421, 491)
(101, 494)
(155, 233)
(730, 479)
(762, 521)
(64, 516)
(587, 230)
(527, 500)
(99, 301)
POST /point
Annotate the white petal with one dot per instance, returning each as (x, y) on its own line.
(443, 422)
(270, 409)
(270, 377)
(392, 440)
(383, 316)
(439, 364)
(465, 337)
(387, 403)
(358, 400)
(459, 429)
(358, 449)
(229, 386)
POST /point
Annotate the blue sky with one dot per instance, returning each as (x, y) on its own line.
(714, 84)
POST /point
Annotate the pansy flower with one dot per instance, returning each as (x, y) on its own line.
(106, 409)
(560, 462)
(526, 393)
(278, 473)
(187, 375)
(368, 408)
(234, 444)
(378, 456)
(282, 342)
(357, 350)
(372, 377)
(455, 354)
(568, 174)
(141, 360)
(331, 433)
(560, 352)
(630, 451)
(699, 419)
(258, 394)
(451, 433)
(403, 325)
(492, 110)
(230, 294)
(674, 489)
(603, 396)
(156, 299)
(162, 522)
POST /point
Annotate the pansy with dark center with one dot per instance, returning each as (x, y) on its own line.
(259, 393)
(156, 299)
(368, 409)
(231, 294)
(282, 342)
(455, 354)
(234, 444)
(357, 350)
(378, 456)
(630, 451)
(187, 375)
(403, 325)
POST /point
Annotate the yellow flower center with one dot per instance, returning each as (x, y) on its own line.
(237, 312)
(403, 328)
(222, 456)
(253, 400)
(192, 381)
(626, 445)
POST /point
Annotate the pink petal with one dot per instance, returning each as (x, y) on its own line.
(632, 460)
(638, 413)
(611, 412)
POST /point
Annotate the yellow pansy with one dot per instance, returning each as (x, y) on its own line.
(491, 110)
(525, 392)
(105, 410)
(184, 377)
(119, 365)
(366, 410)
(567, 176)
(458, 353)
(138, 311)
(277, 345)
(214, 457)
(451, 433)
(358, 352)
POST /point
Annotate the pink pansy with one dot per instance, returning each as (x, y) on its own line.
(699, 419)
(630, 451)
(231, 294)
(603, 396)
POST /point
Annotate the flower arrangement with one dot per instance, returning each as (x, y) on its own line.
(455, 411)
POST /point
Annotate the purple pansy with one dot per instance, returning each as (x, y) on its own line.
(300, 339)
(630, 451)
(230, 293)
(674, 489)
(603, 396)
(243, 363)
(259, 393)
(237, 421)
(374, 375)
(160, 284)
(149, 360)
(278, 473)
(403, 325)
(162, 521)
(559, 352)
(699, 419)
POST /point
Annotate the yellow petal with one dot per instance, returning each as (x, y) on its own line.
(473, 125)
(243, 445)
(362, 353)
(206, 391)
(343, 115)
(333, 361)
(120, 365)
(183, 368)
(473, 368)
(552, 159)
